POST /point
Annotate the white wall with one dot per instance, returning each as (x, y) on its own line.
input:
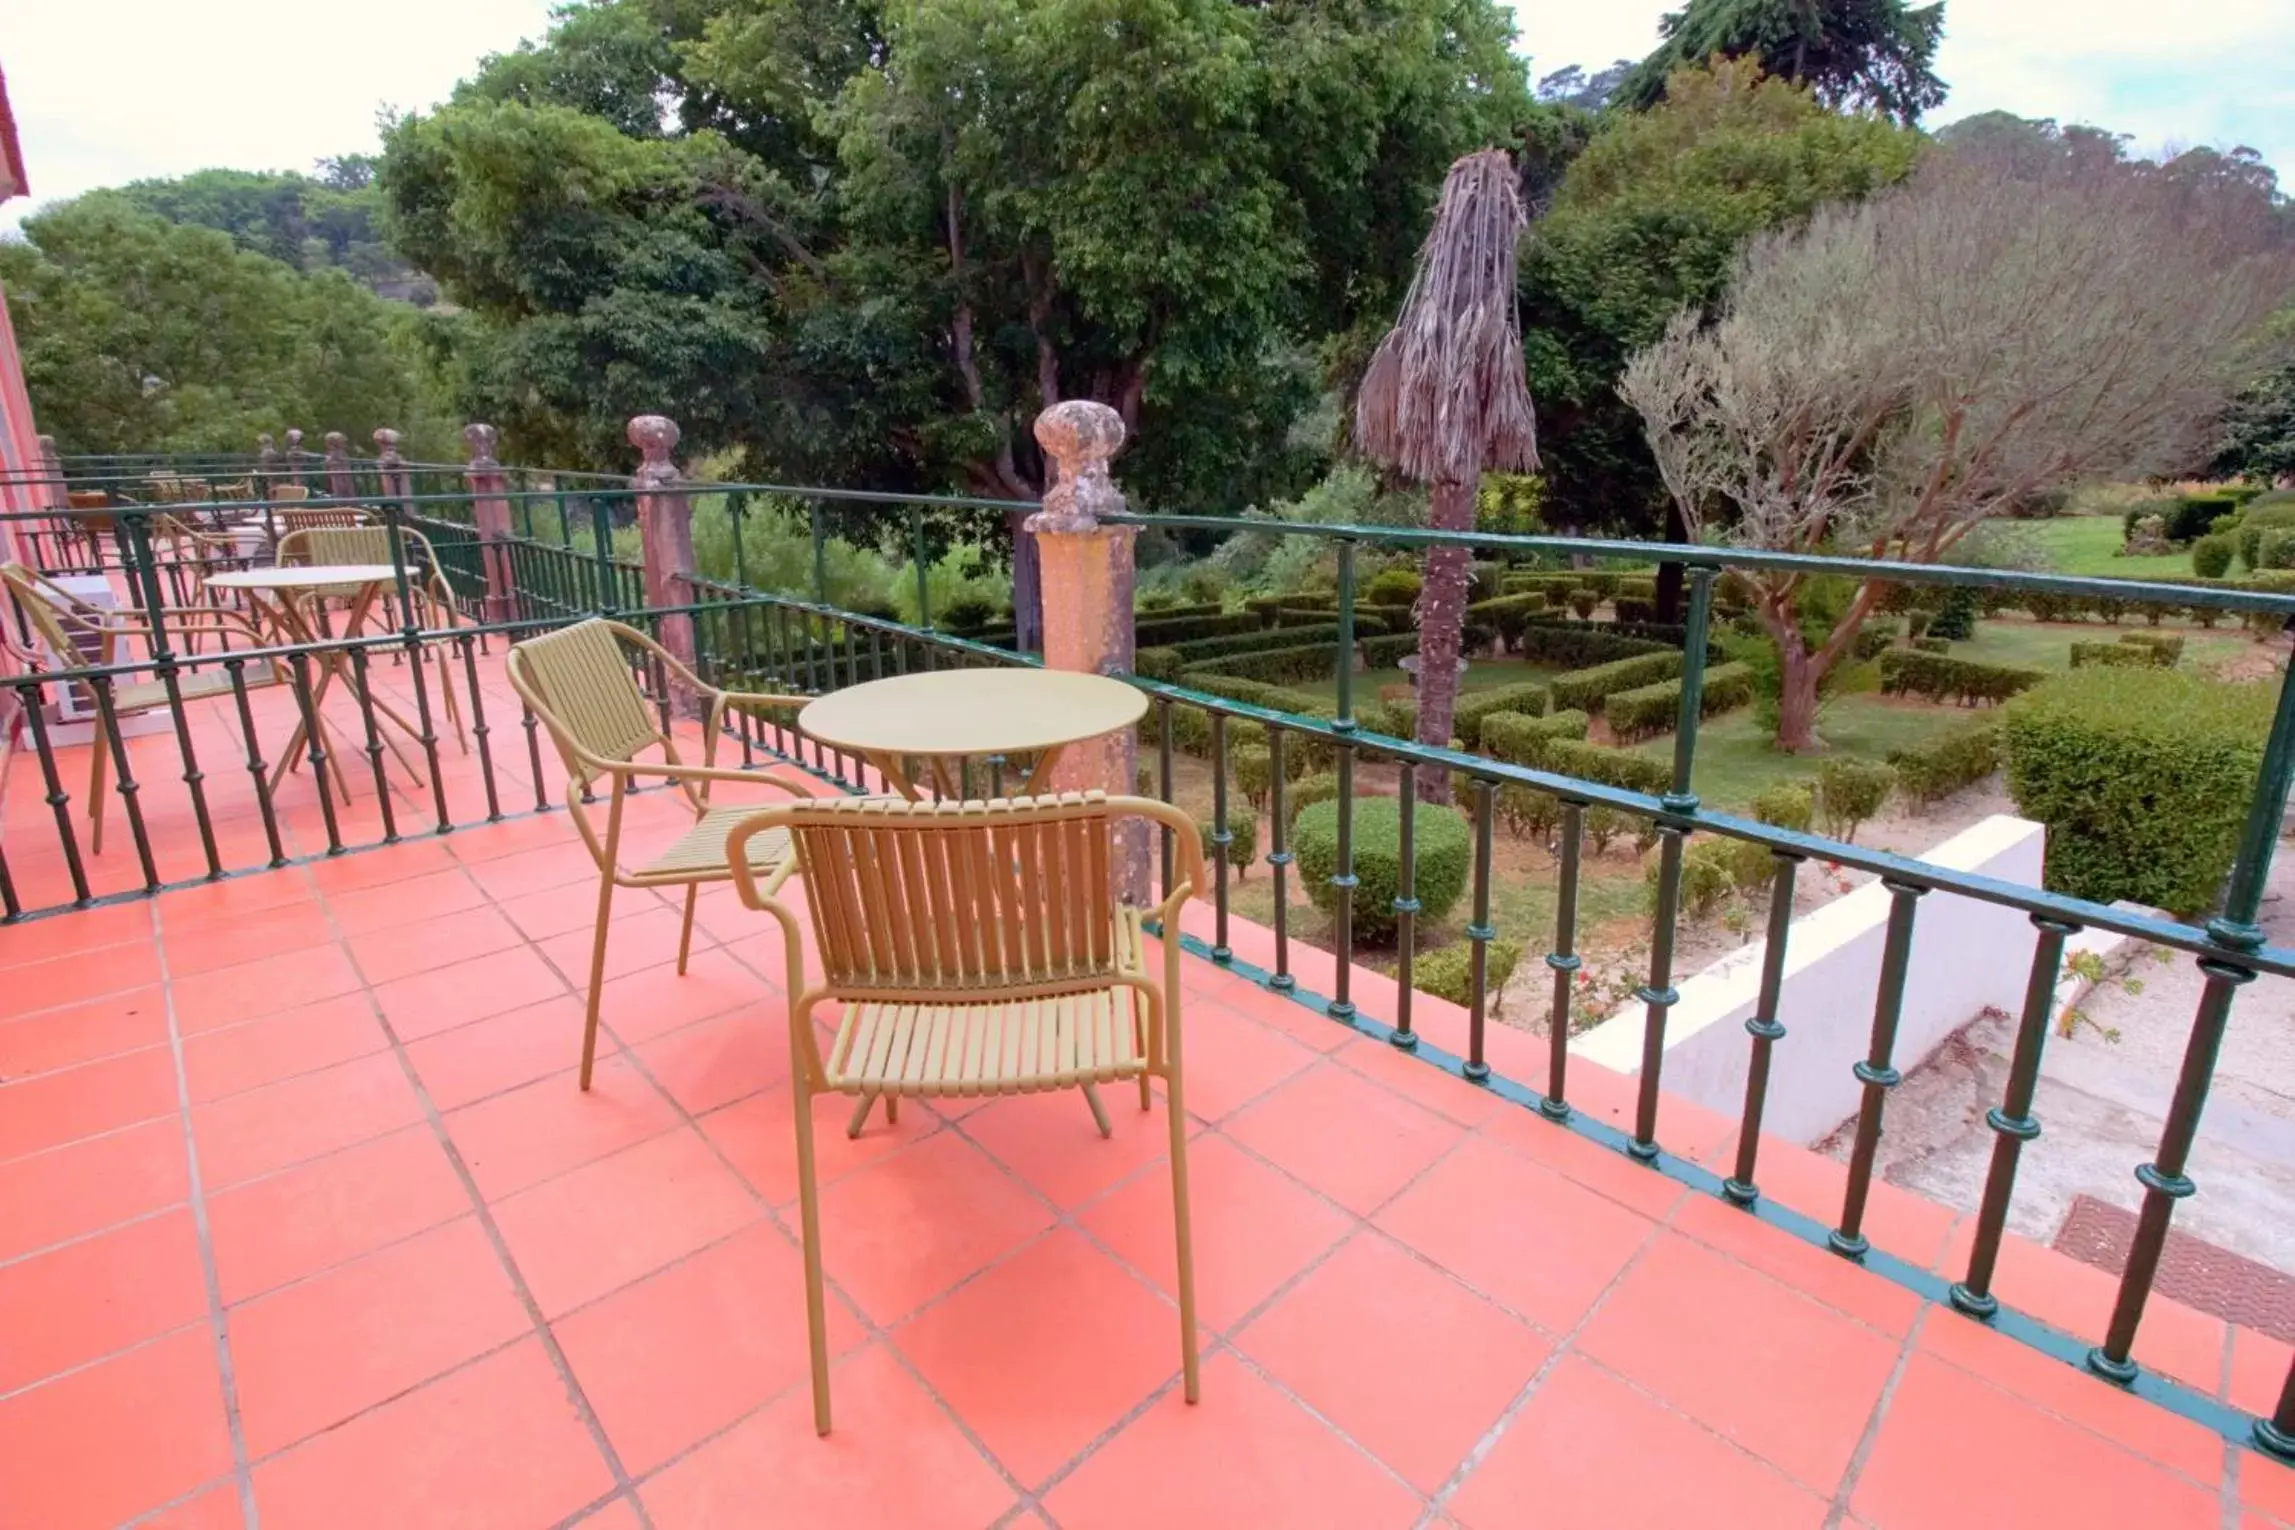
(1966, 956)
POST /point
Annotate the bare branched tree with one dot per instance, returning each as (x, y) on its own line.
(1886, 379)
(1445, 398)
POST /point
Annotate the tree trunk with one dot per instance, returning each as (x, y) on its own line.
(1797, 700)
(1027, 585)
(1669, 575)
(1442, 629)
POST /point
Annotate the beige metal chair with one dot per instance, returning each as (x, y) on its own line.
(975, 948)
(578, 681)
(60, 622)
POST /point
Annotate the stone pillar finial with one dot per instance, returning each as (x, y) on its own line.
(479, 440)
(338, 463)
(390, 467)
(1088, 580)
(1081, 437)
(655, 436)
(294, 442)
(386, 445)
(59, 493)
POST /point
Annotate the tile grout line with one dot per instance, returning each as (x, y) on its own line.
(219, 1317)
(1845, 1489)
(485, 1218)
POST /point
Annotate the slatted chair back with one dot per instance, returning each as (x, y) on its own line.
(290, 491)
(923, 899)
(48, 620)
(329, 517)
(579, 683)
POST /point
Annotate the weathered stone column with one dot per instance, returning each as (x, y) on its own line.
(266, 465)
(56, 494)
(340, 485)
(295, 454)
(492, 513)
(665, 533)
(1088, 575)
(390, 467)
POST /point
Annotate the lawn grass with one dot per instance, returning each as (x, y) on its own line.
(2048, 645)
(1736, 757)
(2090, 544)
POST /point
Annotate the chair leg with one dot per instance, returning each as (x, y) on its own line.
(102, 757)
(597, 976)
(860, 1118)
(1184, 1233)
(892, 1110)
(685, 932)
(809, 1223)
(1099, 1111)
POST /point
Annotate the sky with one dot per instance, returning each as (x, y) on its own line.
(108, 91)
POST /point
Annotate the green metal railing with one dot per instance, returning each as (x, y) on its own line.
(748, 637)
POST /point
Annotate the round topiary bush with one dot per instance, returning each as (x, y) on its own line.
(1395, 587)
(1444, 850)
(1955, 619)
(2211, 555)
(1242, 842)
(2142, 777)
(1849, 791)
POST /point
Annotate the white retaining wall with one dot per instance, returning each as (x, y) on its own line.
(1967, 956)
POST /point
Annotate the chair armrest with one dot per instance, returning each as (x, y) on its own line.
(698, 773)
(722, 702)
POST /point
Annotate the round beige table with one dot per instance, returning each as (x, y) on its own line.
(948, 715)
(277, 598)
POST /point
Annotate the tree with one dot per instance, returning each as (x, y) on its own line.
(141, 335)
(1444, 399)
(1650, 218)
(1872, 54)
(300, 221)
(867, 244)
(1888, 378)
(2259, 433)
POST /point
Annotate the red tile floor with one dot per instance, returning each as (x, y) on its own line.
(304, 1222)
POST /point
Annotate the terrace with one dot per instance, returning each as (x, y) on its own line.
(303, 1219)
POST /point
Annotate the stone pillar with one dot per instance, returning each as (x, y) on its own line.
(339, 482)
(1088, 575)
(266, 466)
(295, 454)
(58, 493)
(492, 513)
(665, 533)
(390, 467)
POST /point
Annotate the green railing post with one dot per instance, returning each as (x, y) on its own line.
(1345, 675)
(602, 549)
(1406, 904)
(820, 557)
(923, 573)
(1878, 1072)
(1762, 1025)
(1564, 962)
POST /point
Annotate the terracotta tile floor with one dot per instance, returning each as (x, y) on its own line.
(304, 1222)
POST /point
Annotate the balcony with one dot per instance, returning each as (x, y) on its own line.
(303, 1217)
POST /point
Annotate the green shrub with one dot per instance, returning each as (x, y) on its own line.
(1649, 709)
(1305, 792)
(1607, 766)
(1576, 645)
(1605, 826)
(2169, 643)
(1443, 848)
(2123, 655)
(1708, 875)
(2211, 555)
(1935, 770)
(1583, 604)
(1448, 973)
(1157, 664)
(1275, 666)
(1955, 617)
(1210, 649)
(968, 614)
(1916, 624)
(1940, 677)
(1385, 652)
(2276, 549)
(1527, 812)
(1243, 841)
(1396, 719)
(1850, 791)
(1786, 805)
(2195, 515)
(1526, 698)
(2142, 777)
(1587, 689)
(1394, 587)
(1506, 615)
(1521, 740)
(1163, 631)
(1254, 770)
(1931, 645)
(1257, 693)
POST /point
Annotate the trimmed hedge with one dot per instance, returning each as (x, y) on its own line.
(1440, 839)
(1587, 689)
(2196, 514)
(1243, 841)
(1932, 771)
(1204, 650)
(1258, 693)
(2169, 643)
(1932, 645)
(1448, 973)
(1388, 651)
(1158, 664)
(2122, 655)
(2211, 555)
(1709, 874)
(1393, 587)
(1939, 677)
(1525, 697)
(1576, 645)
(1656, 708)
(1520, 739)
(1254, 770)
(2142, 777)
(1607, 766)
(1305, 792)
(1507, 615)
(1162, 632)
(1310, 661)
(1850, 791)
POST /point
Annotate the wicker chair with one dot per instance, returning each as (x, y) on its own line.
(60, 622)
(975, 948)
(578, 681)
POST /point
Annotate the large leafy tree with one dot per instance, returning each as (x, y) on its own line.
(1873, 54)
(139, 334)
(1650, 217)
(867, 243)
(308, 222)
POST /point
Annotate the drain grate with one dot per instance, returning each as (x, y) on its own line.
(2192, 1270)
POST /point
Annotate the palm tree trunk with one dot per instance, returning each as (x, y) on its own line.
(1442, 629)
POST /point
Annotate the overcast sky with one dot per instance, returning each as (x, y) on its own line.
(107, 91)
